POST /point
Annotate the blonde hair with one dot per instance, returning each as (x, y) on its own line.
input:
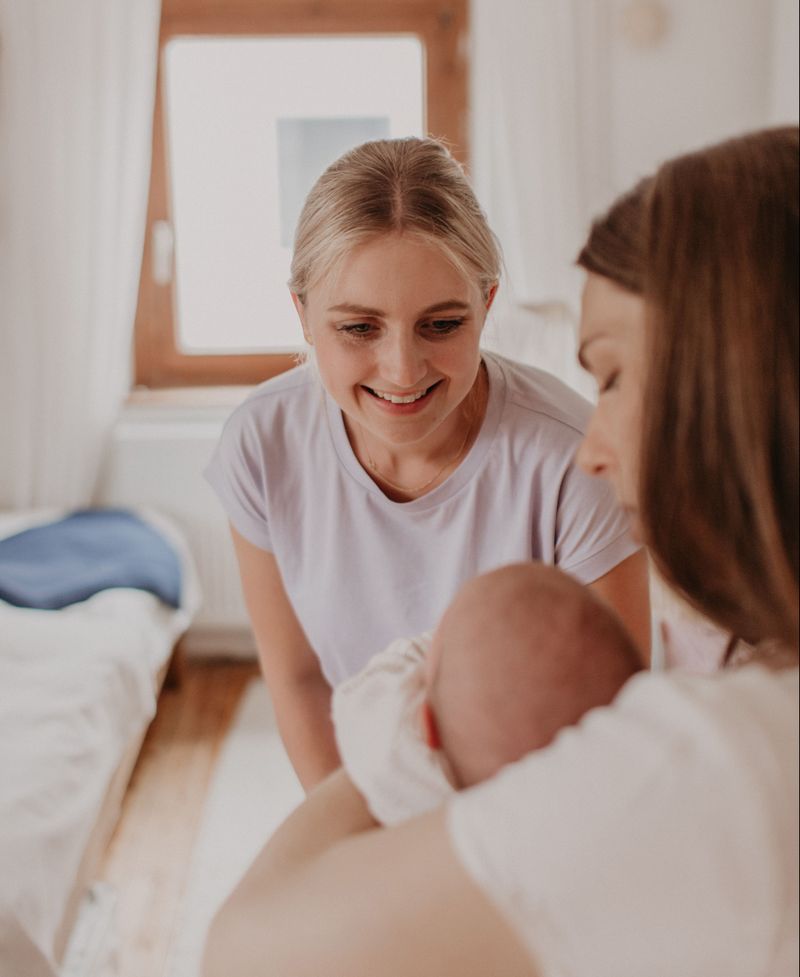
(401, 186)
(617, 243)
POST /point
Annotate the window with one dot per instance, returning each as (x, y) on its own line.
(252, 104)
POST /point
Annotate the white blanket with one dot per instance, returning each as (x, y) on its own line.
(77, 687)
(379, 735)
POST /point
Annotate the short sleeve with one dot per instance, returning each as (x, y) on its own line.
(236, 472)
(592, 534)
(655, 838)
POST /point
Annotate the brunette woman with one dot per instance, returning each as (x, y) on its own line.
(660, 836)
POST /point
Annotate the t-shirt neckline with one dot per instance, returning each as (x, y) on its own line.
(458, 478)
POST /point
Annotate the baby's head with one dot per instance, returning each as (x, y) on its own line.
(520, 653)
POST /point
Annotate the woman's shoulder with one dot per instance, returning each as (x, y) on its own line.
(688, 725)
(277, 417)
(691, 726)
(292, 385)
(686, 788)
(288, 398)
(536, 395)
(656, 751)
(729, 709)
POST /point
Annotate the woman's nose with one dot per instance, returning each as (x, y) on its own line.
(403, 362)
(594, 455)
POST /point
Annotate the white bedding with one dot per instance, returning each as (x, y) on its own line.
(77, 686)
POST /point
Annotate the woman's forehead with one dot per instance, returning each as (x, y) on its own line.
(374, 271)
(609, 311)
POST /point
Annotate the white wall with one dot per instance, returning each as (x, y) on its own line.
(784, 96)
(709, 69)
(708, 78)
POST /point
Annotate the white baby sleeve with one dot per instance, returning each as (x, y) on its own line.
(379, 735)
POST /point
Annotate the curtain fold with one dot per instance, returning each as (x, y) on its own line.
(77, 86)
(541, 163)
(540, 134)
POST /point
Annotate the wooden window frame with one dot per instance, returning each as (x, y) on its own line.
(442, 27)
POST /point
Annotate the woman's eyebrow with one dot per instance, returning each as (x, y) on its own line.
(459, 304)
(354, 309)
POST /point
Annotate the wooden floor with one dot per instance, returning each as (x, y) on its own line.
(149, 856)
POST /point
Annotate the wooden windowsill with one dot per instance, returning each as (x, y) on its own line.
(183, 397)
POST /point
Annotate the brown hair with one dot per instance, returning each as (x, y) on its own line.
(411, 186)
(719, 462)
(616, 245)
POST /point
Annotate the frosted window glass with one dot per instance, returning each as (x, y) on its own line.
(251, 124)
(306, 147)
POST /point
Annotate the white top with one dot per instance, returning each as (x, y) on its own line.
(657, 838)
(360, 569)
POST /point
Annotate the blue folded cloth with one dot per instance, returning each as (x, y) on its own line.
(67, 561)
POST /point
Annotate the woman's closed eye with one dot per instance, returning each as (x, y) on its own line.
(611, 382)
(357, 329)
(443, 327)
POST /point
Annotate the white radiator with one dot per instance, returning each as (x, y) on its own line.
(156, 458)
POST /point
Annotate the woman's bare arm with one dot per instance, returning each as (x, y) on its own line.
(332, 894)
(300, 694)
(627, 589)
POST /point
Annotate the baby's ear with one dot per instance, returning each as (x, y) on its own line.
(430, 728)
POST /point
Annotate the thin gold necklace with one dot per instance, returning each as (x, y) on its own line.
(373, 466)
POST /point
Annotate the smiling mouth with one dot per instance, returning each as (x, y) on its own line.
(402, 398)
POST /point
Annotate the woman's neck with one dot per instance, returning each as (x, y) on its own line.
(406, 472)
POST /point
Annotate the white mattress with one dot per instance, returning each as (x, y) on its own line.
(77, 686)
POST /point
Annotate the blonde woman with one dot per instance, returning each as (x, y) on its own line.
(364, 488)
(660, 836)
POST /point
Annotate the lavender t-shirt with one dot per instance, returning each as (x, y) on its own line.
(362, 570)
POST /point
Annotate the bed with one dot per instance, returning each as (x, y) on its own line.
(78, 688)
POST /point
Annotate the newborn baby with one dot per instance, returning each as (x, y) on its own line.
(521, 652)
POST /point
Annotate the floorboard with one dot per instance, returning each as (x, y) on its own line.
(148, 859)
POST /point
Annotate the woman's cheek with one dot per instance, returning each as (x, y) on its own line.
(629, 444)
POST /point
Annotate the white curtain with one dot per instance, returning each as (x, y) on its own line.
(77, 83)
(541, 154)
